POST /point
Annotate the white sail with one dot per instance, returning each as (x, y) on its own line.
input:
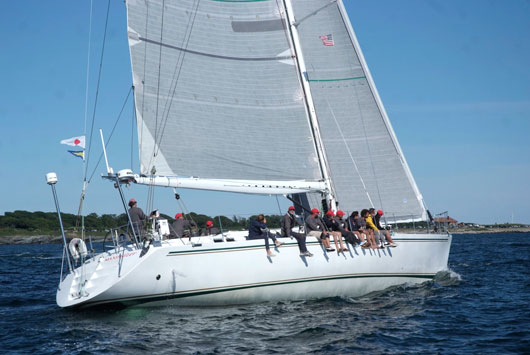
(219, 95)
(217, 92)
(366, 163)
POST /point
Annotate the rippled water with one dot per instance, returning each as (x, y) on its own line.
(481, 306)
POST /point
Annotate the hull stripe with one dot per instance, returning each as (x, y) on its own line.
(206, 291)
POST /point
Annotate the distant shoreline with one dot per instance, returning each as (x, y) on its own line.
(39, 239)
(57, 239)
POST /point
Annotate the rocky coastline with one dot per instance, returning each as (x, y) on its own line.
(38, 239)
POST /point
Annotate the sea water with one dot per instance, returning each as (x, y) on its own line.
(482, 305)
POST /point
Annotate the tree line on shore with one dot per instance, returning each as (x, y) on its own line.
(49, 221)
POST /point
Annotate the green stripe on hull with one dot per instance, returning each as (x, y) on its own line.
(183, 294)
(249, 247)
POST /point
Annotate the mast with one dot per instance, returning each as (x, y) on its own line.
(299, 58)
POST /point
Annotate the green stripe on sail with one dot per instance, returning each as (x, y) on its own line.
(340, 79)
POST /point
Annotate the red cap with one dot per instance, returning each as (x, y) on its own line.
(380, 213)
(132, 200)
(178, 215)
(209, 223)
(330, 213)
(340, 213)
(315, 210)
(291, 208)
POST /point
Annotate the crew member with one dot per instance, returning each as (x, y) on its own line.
(377, 221)
(333, 229)
(288, 222)
(210, 229)
(138, 218)
(343, 229)
(258, 230)
(315, 228)
(178, 226)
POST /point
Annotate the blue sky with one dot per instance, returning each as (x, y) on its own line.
(454, 76)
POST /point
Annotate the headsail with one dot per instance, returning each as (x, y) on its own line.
(217, 92)
(366, 162)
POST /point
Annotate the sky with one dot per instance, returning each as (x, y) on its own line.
(454, 76)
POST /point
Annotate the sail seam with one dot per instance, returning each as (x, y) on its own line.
(213, 55)
(339, 79)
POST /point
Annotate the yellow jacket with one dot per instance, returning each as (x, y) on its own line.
(370, 224)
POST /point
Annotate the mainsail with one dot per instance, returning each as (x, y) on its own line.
(217, 92)
(219, 96)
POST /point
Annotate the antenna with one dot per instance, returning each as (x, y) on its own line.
(109, 169)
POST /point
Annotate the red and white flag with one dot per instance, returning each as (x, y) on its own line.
(327, 40)
(75, 141)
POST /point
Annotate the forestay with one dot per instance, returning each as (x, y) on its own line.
(217, 92)
(366, 163)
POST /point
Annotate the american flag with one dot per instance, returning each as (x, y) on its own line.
(327, 40)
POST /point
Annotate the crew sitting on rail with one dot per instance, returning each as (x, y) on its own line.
(333, 228)
(177, 228)
(210, 229)
(376, 217)
(348, 235)
(367, 223)
(258, 230)
(354, 225)
(315, 228)
(288, 222)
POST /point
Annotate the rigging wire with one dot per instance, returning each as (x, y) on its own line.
(97, 90)
(176, 76)
(159, 133)
(80, 209)
(278, 202)
(350, 153)
(368, 146)
(159, 67)
(141, 133)
(88, 65)
(111, 133)
(86, 182)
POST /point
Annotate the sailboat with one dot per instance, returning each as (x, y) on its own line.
(269, 97)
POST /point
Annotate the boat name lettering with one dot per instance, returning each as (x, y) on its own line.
(115, 257)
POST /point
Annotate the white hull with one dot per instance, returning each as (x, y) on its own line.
(174, 272)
